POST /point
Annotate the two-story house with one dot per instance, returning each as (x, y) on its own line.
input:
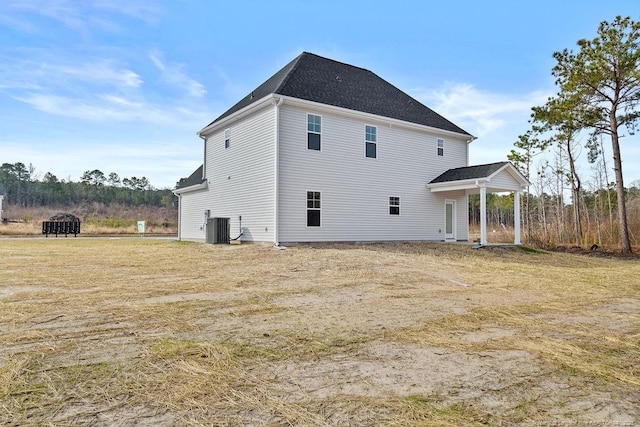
(326, 151)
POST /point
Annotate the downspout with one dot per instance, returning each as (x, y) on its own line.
(179, 217)
(204, 163)
(204, 173)
(473, 138)
(276, 184)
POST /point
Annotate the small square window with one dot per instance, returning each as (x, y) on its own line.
(314, 123)
(440, 147)
(371, 133)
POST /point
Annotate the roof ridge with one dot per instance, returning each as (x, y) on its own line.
(336, 61)
(290, 73)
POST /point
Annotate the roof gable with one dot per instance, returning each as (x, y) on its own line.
(494, 177)
(469, 172)
(314, 78)
(194, 179)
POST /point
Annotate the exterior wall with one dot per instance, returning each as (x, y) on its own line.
(192, 221)
(240, 180)
(355, 190)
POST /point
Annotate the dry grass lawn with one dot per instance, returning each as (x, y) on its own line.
(139, 331)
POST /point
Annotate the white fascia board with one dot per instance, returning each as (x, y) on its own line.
(237, 115)
(191, 188)
(332, 109)
(374, 117)
(456, 185)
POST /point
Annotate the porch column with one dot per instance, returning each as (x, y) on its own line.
(483, 215)
(516, 217)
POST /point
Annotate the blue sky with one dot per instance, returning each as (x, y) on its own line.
(124, 85)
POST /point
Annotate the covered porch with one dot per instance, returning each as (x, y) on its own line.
(501, 177)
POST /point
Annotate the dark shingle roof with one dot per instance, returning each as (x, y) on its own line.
(469, 172)
(314, 78)
(194, 179)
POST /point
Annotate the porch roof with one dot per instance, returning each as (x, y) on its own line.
(495, 177)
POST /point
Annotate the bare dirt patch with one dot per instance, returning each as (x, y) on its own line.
(157, 332)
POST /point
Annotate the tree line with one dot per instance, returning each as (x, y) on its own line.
(598, 102)
(23, 187)
(548, 219)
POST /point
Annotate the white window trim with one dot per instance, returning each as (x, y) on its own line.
(440, 146)
(370, 142)
(317, 133)
(227, 138)
(307, 209)
(389, 206)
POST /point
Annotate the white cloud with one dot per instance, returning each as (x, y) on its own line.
(64, 11)
(112, 107)
(173, 74)
(485, 112)
(496, 119)
(44, 71)
(100, 70)
(82, 17)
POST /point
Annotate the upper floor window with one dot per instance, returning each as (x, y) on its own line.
(370, 141)
(227, 138)
(440, 145)
(313, 209)
(314, 129)
(394, 205)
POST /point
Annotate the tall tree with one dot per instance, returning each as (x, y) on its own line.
(528, 146)
(95, 177)
(603, 82)
(114, 179)
(557, 118)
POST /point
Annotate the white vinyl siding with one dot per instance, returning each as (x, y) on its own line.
(192, 218)
(240, 179)
(355, 191)
(506, 181)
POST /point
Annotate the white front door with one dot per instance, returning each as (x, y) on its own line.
(450, 220)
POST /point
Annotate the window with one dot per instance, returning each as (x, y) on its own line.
(227, 138)
(394, 205)
(314, 127)
(370, 141)
(440, 147)
(313, 209)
